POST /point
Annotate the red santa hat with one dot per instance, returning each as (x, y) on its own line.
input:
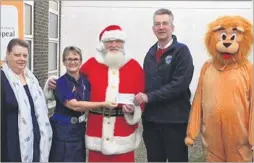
(112, 32)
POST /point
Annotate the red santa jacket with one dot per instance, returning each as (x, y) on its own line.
(113, 135)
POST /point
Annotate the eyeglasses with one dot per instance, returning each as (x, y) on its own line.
(111, 41)
(164, 24)
(69, 60)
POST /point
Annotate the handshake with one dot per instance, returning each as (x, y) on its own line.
(128, 101)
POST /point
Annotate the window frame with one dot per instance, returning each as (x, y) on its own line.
(31, 36)
(55, 40)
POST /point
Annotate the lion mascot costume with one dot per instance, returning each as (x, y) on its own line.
(222, 108)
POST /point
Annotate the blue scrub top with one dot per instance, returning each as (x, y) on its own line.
(68, 88)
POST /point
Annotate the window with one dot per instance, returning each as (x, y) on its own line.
(53, 30)
(53, 57)
(53, 45)
(28, 30)
(28, 19)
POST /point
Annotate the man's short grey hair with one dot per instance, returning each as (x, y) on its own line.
(163, 11)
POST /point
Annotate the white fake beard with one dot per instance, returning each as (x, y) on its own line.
(115, 59)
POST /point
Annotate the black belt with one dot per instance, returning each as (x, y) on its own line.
(108, 112)
(65, 119)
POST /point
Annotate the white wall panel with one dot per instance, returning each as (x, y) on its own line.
(82, 21)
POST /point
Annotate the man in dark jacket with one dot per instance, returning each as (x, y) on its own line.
(168, 69)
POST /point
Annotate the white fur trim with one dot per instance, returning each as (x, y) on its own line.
(116, 144)
(48, 92)
(113, 85)
(134, 118)
(108, 126)
(113, 35)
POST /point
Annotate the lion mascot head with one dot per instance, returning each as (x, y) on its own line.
(229, 39)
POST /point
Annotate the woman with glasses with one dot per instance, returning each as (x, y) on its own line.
(68, 121)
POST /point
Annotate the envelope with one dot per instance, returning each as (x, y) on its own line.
(125, 98)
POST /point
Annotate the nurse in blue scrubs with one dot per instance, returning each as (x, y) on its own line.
(68, 121)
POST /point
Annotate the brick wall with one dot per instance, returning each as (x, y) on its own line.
(41, 12)
(41, 40)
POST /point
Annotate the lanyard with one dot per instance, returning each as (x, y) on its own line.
(83, 92)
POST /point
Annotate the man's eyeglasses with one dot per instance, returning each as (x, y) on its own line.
(164, 24)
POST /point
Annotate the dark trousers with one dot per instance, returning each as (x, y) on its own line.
(165, 142)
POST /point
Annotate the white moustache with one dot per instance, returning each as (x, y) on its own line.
(110, 49)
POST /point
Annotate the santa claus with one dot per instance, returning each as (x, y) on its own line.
(112, 135)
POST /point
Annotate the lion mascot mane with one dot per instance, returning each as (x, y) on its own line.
(222, 109)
